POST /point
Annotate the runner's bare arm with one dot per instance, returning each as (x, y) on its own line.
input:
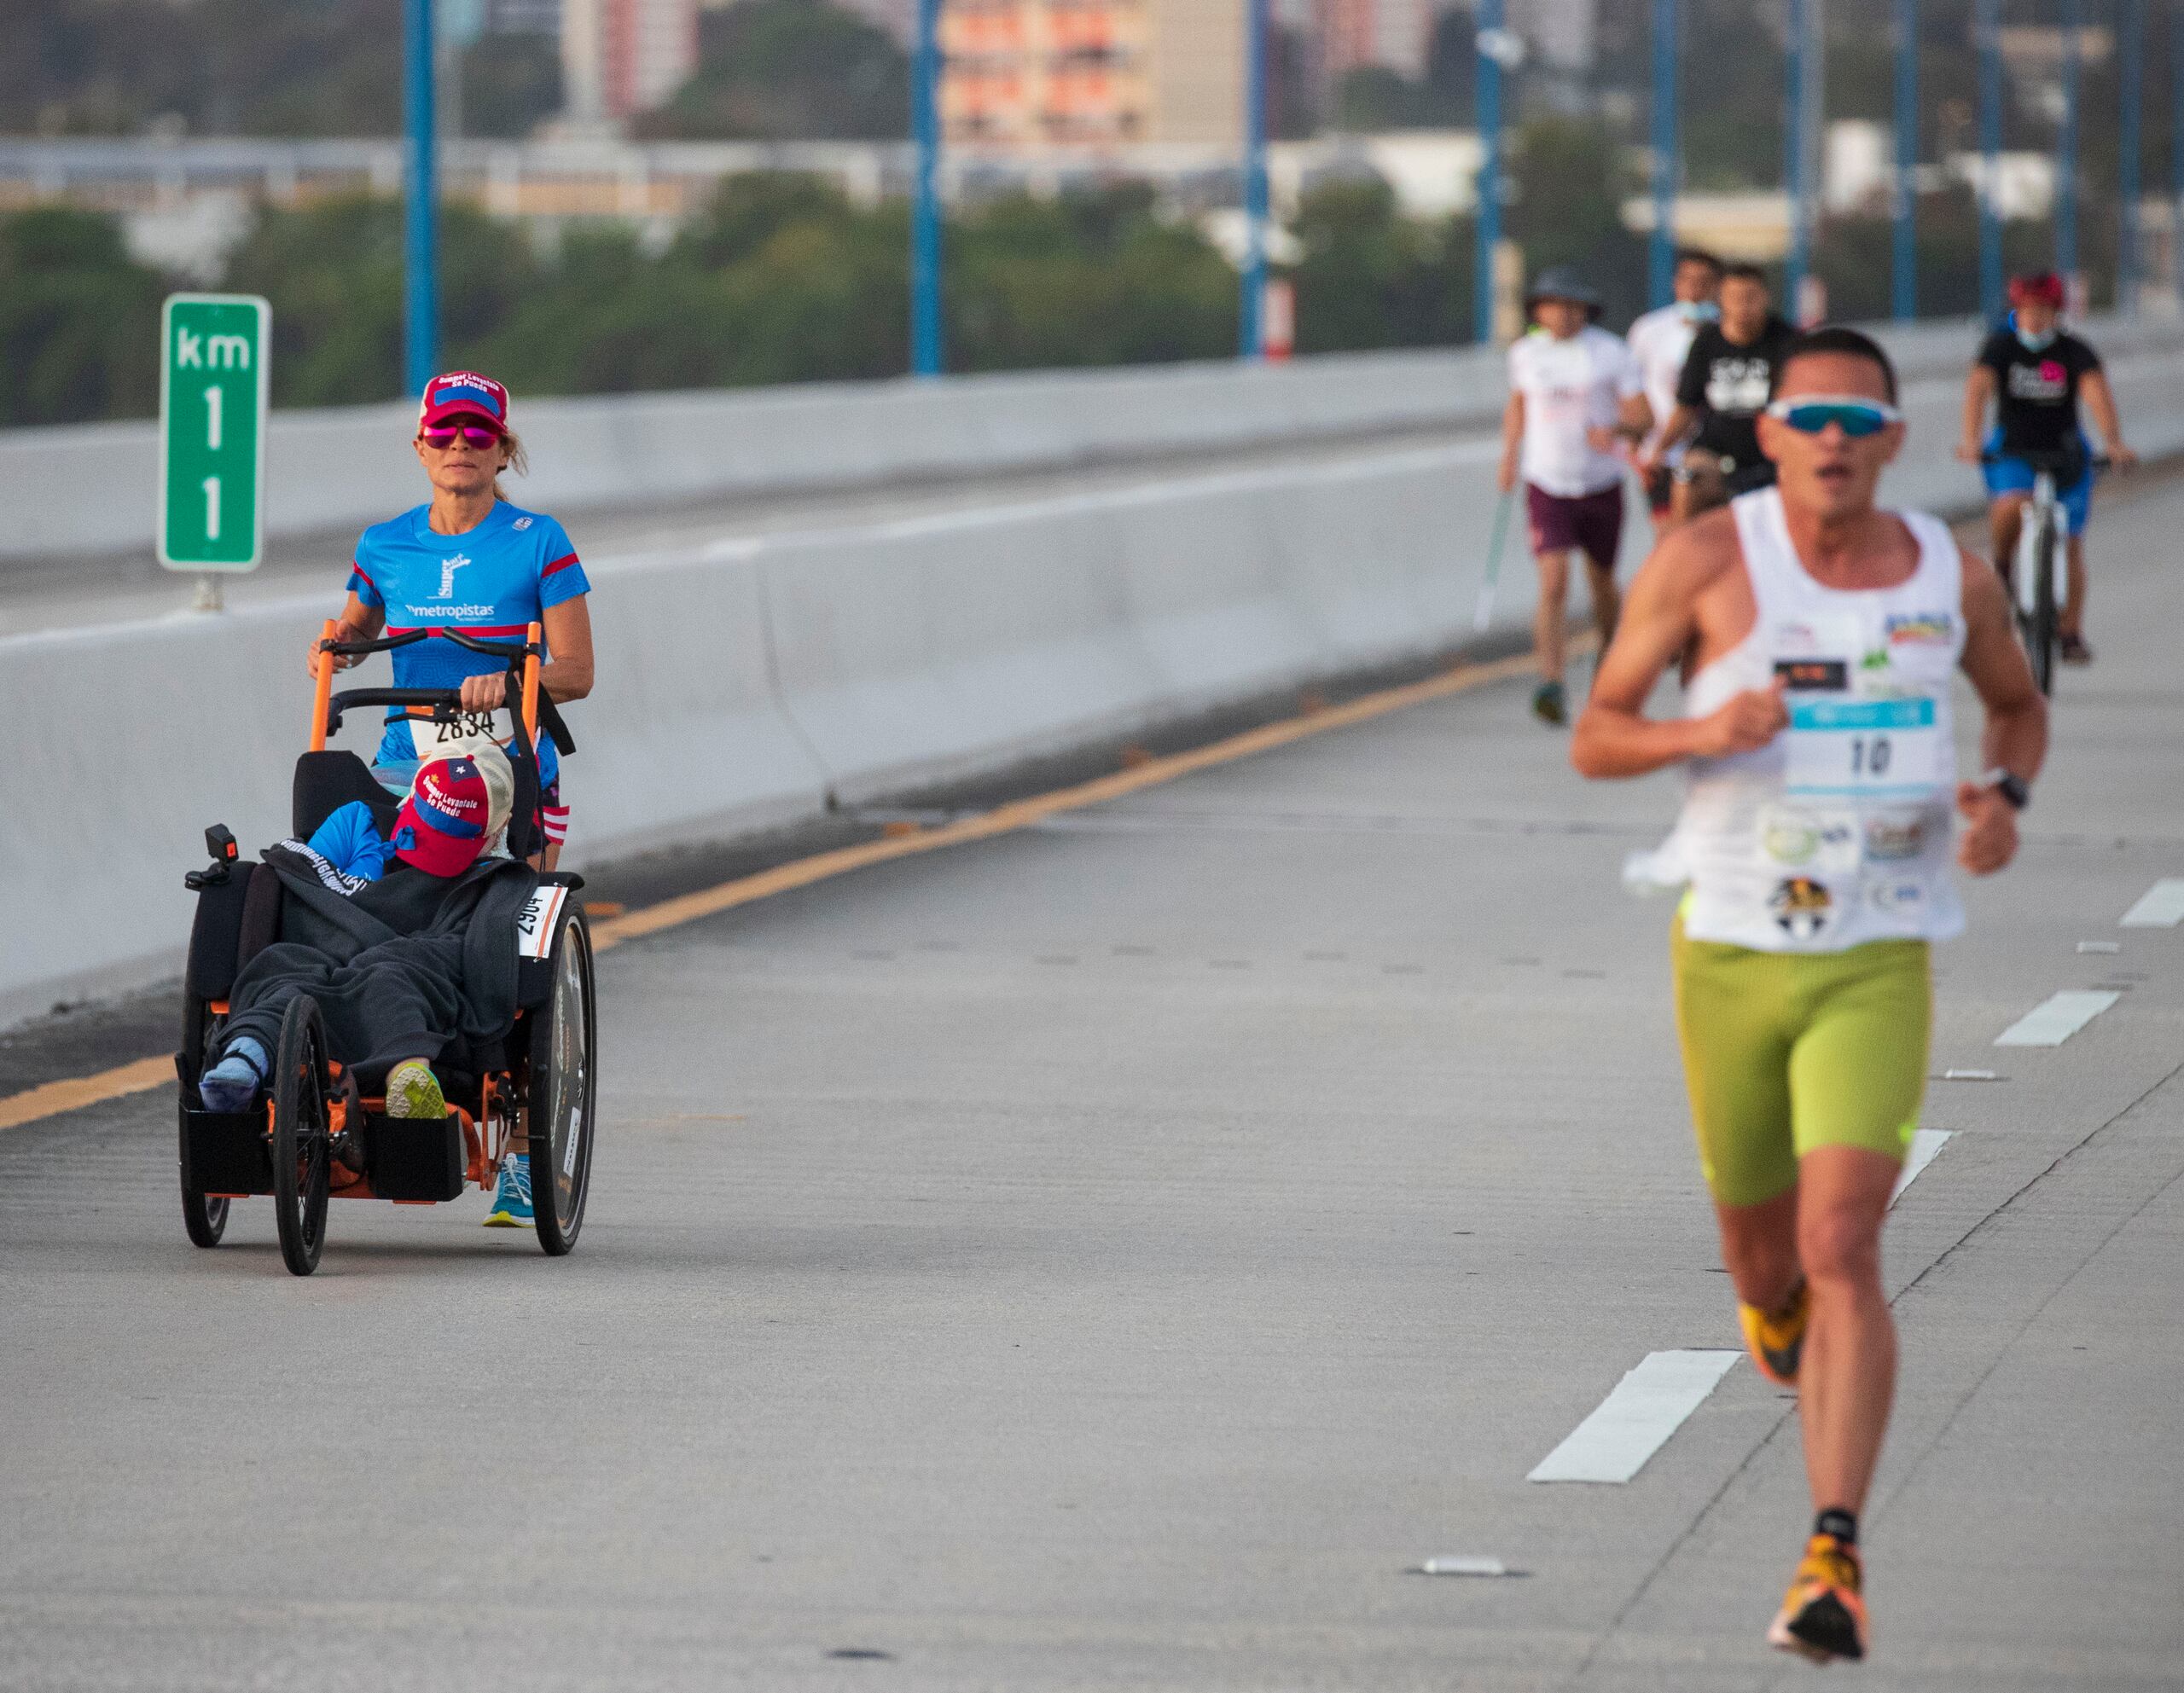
(2100, 401)
(357, 621)
(567, 676)
(1614, 737)
(2015, 738)
(1682, 419)
(1513, 437)
(1978, 390)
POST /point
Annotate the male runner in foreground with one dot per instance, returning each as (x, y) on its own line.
(1818, 635)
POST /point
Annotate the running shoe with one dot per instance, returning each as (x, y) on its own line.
(512, 1197)
(2072, 650)
(1547, 703)
(1823, 1618)
(1776, 1341)
(413, 1091)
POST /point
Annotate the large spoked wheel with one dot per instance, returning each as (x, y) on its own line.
(2040, 622)
(205, 1219)
(302, 1145)
(558, 1113)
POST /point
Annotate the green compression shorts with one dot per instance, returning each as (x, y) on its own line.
(1785, 1051)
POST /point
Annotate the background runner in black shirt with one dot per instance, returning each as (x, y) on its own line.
(1722, 390)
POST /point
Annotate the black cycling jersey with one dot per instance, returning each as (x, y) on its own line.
(2036, 393)
(1726, 383)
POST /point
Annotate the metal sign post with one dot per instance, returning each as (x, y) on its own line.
(214, 393)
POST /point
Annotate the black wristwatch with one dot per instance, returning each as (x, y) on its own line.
(2012, 788)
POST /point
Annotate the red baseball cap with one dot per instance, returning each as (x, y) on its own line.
(463, 393)
(448, 817)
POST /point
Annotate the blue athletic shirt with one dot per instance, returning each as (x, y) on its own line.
(492, 582)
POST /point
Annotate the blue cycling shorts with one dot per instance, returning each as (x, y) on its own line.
(2014, 476)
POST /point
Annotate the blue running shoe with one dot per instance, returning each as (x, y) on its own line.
(512, 1199)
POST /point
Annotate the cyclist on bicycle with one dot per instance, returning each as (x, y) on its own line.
(2034, 372)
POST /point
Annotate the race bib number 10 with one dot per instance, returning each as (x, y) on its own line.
(1866, 749)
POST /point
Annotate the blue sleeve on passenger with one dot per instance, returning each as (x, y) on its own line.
(351, 842)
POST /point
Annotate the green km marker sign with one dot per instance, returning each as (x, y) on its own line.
(214, 367)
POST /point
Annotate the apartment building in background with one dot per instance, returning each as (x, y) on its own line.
(621, 57)
(1087, 73)
(1393, 34)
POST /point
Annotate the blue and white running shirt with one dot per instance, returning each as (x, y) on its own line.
(492, 582)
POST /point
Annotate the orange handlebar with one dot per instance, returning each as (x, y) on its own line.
(323, 672)
(536, 635)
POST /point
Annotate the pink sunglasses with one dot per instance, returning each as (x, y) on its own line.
(473, 434)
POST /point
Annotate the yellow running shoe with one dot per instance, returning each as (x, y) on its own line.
(1777, 1340)
(413, 1091)
(1823, 1617)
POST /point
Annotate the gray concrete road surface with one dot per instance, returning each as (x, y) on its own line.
(1115, 1255)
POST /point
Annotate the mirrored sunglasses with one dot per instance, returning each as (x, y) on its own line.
(1812, 413)
(476, 435)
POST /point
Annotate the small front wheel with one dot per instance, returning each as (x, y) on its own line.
(204, 1219)
(302, 1145)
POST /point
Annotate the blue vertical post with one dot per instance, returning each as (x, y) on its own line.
(927, 356)
(1661, 255)
(2130, 62)
(2176, 153)
(2066, 151)
(421, 227)
(1904, 271)
(1793, 160)
(1489, 168)
(1250, 335)
(1988, 27)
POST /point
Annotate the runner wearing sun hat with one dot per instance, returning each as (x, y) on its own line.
(1575, 394)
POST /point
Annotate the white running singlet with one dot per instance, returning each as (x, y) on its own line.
(1839, 829)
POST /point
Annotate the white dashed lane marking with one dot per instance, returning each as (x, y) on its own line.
(1651, 1403)
(1925, 1142)
(1636, 1421)
(2161, 907)
(2058, 1017)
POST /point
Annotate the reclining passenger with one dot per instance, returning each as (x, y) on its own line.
(405, 940)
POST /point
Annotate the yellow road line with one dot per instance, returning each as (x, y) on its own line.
(1023, 812)
(77, 1091)
(55, 1097)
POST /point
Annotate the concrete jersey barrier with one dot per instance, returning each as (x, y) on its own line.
(347, 466)
(752, 682)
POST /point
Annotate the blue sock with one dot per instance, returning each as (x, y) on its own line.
(231, 1084)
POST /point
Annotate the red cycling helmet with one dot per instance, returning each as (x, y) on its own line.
(2044, 288)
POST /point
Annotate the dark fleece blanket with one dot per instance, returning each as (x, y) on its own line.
(400, 967)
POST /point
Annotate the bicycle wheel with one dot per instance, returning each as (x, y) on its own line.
(2040, 625)
(205, 1219)
(562, 1088)
(302, 1148)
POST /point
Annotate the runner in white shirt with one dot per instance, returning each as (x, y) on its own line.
(1574, 392)
(1661, 341)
